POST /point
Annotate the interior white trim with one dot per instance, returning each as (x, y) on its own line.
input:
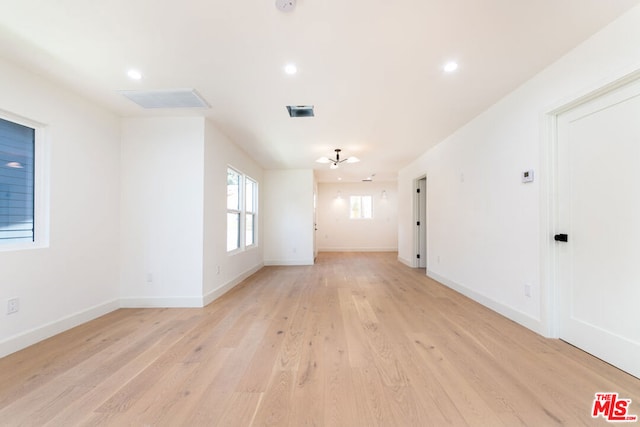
(393, 249)
(517, 316)
(309, 261)
(161, 302)
(213, 295)
(405, 262)
(548, 191)
(416, 217)
(35, 335)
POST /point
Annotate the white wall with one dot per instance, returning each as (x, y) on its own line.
(288, 217)
(219, 153)
(337, 232)
(75, 278)
(162, 177)
(484, 226)
(173, 215)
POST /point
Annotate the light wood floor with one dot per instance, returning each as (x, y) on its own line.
(356, 340)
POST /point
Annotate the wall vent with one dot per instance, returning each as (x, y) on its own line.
(175, 98)
(300, 110)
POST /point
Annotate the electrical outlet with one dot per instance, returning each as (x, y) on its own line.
(527, 290)
(218, 270)
(13, 305)
(150, 278)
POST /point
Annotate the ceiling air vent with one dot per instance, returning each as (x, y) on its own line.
(300, 110)
(175, 98)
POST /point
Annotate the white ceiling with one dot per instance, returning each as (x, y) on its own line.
(371, 68)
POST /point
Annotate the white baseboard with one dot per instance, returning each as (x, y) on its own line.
(405, 261)
(517, 316)
(358, 249)
(33, 336)
(289, 262)
(26, 339)
(217, 293)
(161, 302)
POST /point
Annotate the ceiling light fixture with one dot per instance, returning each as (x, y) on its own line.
(335, 163)
(450, 67)
(14, 165)
(290, 69)
(134, 74)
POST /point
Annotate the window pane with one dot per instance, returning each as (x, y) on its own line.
(367, 207)
(17, 144)
(250, 195)
(355, 207)
(361, 207)
(250, 237)
(233, 231)
(233, 189)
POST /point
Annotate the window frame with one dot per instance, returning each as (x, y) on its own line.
(41, 158)
(236, 211)
(253, 212)
(243, 212)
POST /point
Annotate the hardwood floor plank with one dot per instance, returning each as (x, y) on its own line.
(240, 409)
(308, 395)
(339, 403)
(275, 406)
(356, 340)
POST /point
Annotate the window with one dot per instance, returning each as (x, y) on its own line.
(361, 207)
(233, 209)
(242, 210)
(17, 177)
(250, 211)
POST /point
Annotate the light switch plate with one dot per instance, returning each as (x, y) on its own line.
(527, 176)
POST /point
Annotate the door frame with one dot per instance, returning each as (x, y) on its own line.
(548, 179)
(416, 217)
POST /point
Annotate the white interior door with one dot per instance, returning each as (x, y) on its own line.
(599, 210)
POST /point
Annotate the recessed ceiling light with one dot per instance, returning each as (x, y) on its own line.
(450, 67)
(290, 69)
(134, 74)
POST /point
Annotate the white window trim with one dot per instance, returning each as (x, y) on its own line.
(254, 212)
(361, 218)
(41, 198)
(236, 211)
(243, 212)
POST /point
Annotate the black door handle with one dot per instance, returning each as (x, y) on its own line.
(561, 238)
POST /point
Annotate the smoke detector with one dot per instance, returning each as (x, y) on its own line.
(286, 5)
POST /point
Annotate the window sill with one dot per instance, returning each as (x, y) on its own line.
(17, 247)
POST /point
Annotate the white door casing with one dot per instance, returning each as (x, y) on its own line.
(598, 207)
(420, 209)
